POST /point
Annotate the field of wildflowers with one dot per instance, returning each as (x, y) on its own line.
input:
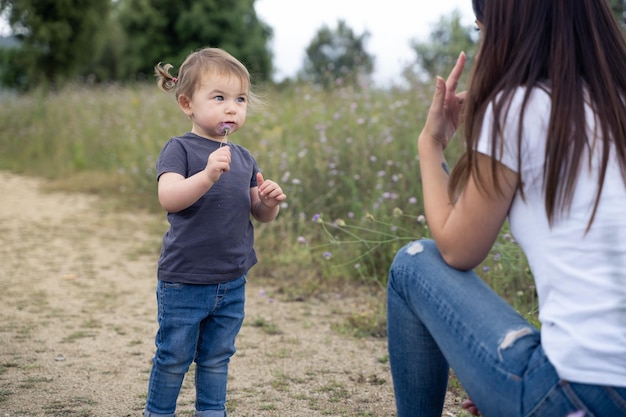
(346, 159)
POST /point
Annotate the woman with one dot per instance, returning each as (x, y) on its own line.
(545, 131)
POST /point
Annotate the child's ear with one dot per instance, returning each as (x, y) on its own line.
(185, 105)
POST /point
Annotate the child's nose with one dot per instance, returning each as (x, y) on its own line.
(231, 108)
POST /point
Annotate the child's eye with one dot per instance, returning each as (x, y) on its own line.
(219, 98)
(241, 99)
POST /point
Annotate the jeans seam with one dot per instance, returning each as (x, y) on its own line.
(543, 399)
(573, 398)
(616, 398)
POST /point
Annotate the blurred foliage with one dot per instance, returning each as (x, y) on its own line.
(619, 10)
(58, 38)
(168, 31)
(104, 40)
(438, 54)
(337, 57)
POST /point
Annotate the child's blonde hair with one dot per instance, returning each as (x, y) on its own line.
(207, 60)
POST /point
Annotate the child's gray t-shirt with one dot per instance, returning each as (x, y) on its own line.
(211, 241)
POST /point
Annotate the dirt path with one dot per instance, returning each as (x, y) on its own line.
(77, 322)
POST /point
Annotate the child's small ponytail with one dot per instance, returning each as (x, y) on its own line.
(165, 80)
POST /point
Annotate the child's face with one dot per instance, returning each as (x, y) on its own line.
(218, 106)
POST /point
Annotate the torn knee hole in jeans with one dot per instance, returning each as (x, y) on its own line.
(414, 248)
(511, 337)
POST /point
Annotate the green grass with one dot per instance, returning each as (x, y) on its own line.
(345, 157)
(268, 327)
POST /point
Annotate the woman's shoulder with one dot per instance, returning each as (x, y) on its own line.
(532, 104)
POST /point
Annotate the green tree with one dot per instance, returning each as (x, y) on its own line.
(168, 31)
(58, 38)
(438, 55)
(111, 63)
(337, 56)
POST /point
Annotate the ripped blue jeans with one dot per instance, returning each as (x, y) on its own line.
(440, 318)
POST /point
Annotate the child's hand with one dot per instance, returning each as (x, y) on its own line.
(218, 163)
(270, 193)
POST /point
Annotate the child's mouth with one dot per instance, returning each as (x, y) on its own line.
(225, 127)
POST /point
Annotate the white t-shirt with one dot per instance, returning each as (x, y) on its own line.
(580, 278)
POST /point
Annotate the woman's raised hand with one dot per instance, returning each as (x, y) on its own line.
(445, 110)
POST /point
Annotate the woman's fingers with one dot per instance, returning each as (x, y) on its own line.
(455, 74)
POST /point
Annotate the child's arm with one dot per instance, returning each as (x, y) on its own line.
(177, 193)
(265, 199)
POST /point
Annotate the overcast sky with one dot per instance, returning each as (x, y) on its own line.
(391, 24)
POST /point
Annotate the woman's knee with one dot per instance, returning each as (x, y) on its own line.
(416, 256)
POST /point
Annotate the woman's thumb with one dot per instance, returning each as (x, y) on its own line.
(259, 178)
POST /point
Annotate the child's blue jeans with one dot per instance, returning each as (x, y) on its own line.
(439, 317)
(196, 323)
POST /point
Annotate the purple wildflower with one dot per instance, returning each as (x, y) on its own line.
(225, 128)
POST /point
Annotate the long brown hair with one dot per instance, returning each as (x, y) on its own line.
(574, 49)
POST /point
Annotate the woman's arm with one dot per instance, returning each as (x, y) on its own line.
(464, 230)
